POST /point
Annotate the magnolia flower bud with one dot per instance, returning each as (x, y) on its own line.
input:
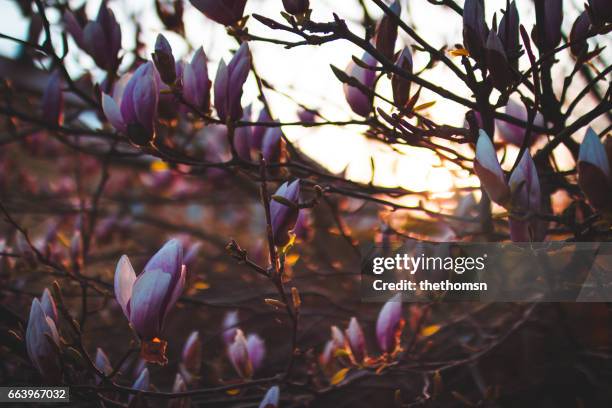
(142, 382)
(552, 20)
(243, 135)
(42, 342)
(475, 29)
(271, 145)
(399, 84)
(101, 39)
(103, 364)
(356, 340)
(179, 386)
(284, 216)
(52, 102)
(386, 32)
(337, 337)
(489, 171)
(307, 116)
(229, 82)
(48, 305)
(164, 60)
(260, 131)
(191, 357)
(525, 195)
(594, 172)
(270, 400)
(579, 33)
(296, 7)
(497, 62)
(74, 28)
(514, 134)
(360, 102)
(146, 300)
(230, 324)
(226, 12)
(135, 111)
(246, 354)
(509, 34)
(196, 85)
(389, 324)
(303, 228)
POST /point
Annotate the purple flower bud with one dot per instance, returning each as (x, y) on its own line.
(399, 84)
(238, 354)
(389, 324)
(136, 111)
(360, 102)
(514, 134)
(74, 28)
(178, 386)
(260, 131)
(489, 171)
(142, 382)
(307, 116)
(270, 400)
(602, 10)
(146, 300)
(52, 102)
(356, 340)
(579, 33)
(497, 62)
(552, 20)
(164, 60)
(102, 39)
(271, 146)
(42, 342)
(475, 29)
(48, 305)
(103, 364)
(303, 228)
(327, 356)
(230, 326)
(226, 12)
(296, 7)
(229, 82)
(257, 350)
(196, 84)
(191, 356)
(509, 34)
(337, 337)
(525, 195)
(284, 217)
(242, 137)
(386, 32)
(594, 172)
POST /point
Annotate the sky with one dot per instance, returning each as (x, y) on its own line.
(304, 73)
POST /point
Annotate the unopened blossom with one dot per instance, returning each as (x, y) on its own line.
(303, 227)
(389, 324)
(48, 305)
(356, 340)
(525, 202)
(226, 12)
(296, 7)
(133, 110)
(594, 172)
(602, 10)
(191, 357)
(178, 387)
(103, 364)
(509, 34)
(271, 145)
(196, 84)
(359, 101)
(284, 214)
(578, 35)
(497, 62)
(307, 116)
(52, 102)
(229, 82)
(243, 136)
(260, 131)
(230, 326)
(489, 171)
(337, 337)
(246, 354)
(142, 382)
(399, 84)
(475, 29)
(270, 400)
(553, 20)
(515, 134)
(386, 32)
(147, 299)
(164, 60)
(100, 38)
(43, 342)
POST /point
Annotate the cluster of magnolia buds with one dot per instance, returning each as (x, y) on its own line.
(42, 337)
(147, 299)
(246, 353)
(520, 194)
(351, 345)
(101, 38)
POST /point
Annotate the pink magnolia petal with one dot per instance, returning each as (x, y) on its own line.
(124, 283)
